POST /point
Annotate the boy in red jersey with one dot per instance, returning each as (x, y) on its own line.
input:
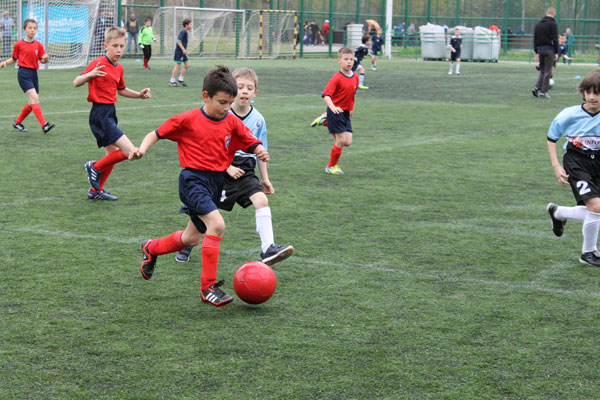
(28, 51)
(339, 97)
(105, 79)
(207, 139)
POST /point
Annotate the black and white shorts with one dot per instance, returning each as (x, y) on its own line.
(584, 175)
(240, 190)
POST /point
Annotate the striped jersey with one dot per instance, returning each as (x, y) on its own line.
(580, 128)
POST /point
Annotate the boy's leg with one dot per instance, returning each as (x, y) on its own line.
(271, 253)
(175, 71)
(341, 140)
(183, 255)
(458, 66)
(34, 102)
(186, 65)
(115, 153)
(24, 113)
(152, 248)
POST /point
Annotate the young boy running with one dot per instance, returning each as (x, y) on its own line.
(377, 49)
(242, 186)
(104, 76)
(146, 38)
(581, 126)
(28, 51)
(181, 55)
(454, 45)
(207, 139)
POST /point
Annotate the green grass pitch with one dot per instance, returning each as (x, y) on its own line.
(427, 271)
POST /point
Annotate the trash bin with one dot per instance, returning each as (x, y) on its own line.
(486, 44)
(355, 34)
(433, 42)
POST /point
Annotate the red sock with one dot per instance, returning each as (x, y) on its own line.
(105, 175)
(167, 244)
(210, 259)
(335, 155)
(37, 110)
(145, 62)
(110, 159)
(24, 113)
(326, 123)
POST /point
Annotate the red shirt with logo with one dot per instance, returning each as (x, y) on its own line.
(103, 89)
(341, 89)
(28, 53)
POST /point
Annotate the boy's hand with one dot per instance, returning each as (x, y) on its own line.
(145, 93)
(45, 58)
(235, 172)
(97, 71)
(351, 113)
(136, 154)
(337, 110)
(261, 153)
(561, 175)
(268, 187)
(2, 64)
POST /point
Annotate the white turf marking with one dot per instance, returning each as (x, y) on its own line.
(531, 286)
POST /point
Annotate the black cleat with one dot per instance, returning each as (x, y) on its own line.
(275, 253)
(182, 83)
(557, 224)
(47, 127)
(183, 255)
(590, 258)
(215, 296)
(174, 84)
(535, 91)
(20, 127)
(149, 261)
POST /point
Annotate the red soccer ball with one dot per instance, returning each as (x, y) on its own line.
(254, 282)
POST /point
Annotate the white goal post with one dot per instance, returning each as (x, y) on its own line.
(270, 34)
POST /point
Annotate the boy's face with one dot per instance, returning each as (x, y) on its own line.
(114, 48)
(562, 39)
(346, 60)
(218, 105)
(188, 27)
(30, 30)
(592, 101)
(246, 92)
(147, 23)
(456, 32)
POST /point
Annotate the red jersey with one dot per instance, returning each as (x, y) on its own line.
(103, 89)
(205, 143)
(341, 89)
(28, 53)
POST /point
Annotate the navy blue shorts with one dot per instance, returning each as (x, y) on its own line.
(338, 123)
(355, 65)
(376, 52)
(200, 192)
(179, 56)
(103, 123)
(454, 55)
(28, 79)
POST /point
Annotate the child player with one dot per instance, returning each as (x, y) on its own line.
(181, 54)
(455, 43)
(207, 139)
(563, 49)
(377, 49)
(581, 126)
(242, 186)
(104, 76)
(146, 38)
(28, 51)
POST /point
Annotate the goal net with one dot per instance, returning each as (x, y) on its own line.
(215, 32)
(270, 34)
(72, 31)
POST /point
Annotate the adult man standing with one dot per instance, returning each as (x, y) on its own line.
(6, 25)
(133, 28)
(545, 45)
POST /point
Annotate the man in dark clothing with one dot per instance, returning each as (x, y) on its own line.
(545, 45)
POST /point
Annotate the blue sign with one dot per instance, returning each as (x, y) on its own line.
(67, 24)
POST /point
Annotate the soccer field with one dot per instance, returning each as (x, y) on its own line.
(428, 270)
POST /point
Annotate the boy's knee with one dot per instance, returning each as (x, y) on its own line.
(259, 200)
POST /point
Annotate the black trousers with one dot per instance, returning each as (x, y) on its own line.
(546, 64)
(147, 51)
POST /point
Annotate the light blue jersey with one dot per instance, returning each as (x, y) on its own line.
(256, 123)
(581, 129)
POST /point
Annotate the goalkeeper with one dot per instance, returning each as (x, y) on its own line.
(146, 38)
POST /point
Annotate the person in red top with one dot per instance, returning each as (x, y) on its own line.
(325, 31)
(207, 139)
(104, 76)
(28, 52)
(339, 97)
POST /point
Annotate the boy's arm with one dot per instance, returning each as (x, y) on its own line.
(559, 172)
(332, 107)
(261, 152)
(7, 62)
(264, 178)
(132, 94)
(181, 47)
(83, 78)
(149, 140)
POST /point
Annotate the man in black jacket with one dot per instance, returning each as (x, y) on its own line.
(545, 45)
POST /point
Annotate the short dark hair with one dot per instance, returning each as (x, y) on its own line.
(219, 79)
(147, 19)
(29, 21)
(345, 50)
(186, 21)
(591, 83)
(365, 39)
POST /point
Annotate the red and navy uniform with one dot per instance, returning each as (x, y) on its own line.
(27, 55)
(206, 149)
(103, 94)
(341, 89)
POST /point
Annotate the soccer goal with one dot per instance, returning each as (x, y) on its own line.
(72, 31)
(215, 31)
(270, 34)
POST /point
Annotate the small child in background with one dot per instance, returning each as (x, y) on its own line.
(359, 54)
(563, 49)
(377, 49)
(146, 38)
(455, 43)
(180, 56)
(28, 52)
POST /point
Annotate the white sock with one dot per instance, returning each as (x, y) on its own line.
(264, 227)
(577, 213)
(591, 226)
(180, 77)
(172, 79)
(361, 79)
(457, 68)
(451, 65)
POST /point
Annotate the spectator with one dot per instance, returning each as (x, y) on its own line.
(570, 42)
(133, 28)
(410, 34)
(6, 26)
(314, 32)
(398, 34)
(545, 45)
(325, 31)
(495, 28)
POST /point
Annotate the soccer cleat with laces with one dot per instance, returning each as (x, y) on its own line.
(149, 261)
(93, 175)
(182, 83)
(183, 255)
(215, 296)
(174, 84)
(275, 253)
(47, 127)
(545, 95)
(363, 87)
(101, 195)
(590, 258)
(557, 224)
(535, 91)
(320, 120)
(334, 170)
(19, 126)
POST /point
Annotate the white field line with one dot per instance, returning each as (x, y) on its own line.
(532, 286)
